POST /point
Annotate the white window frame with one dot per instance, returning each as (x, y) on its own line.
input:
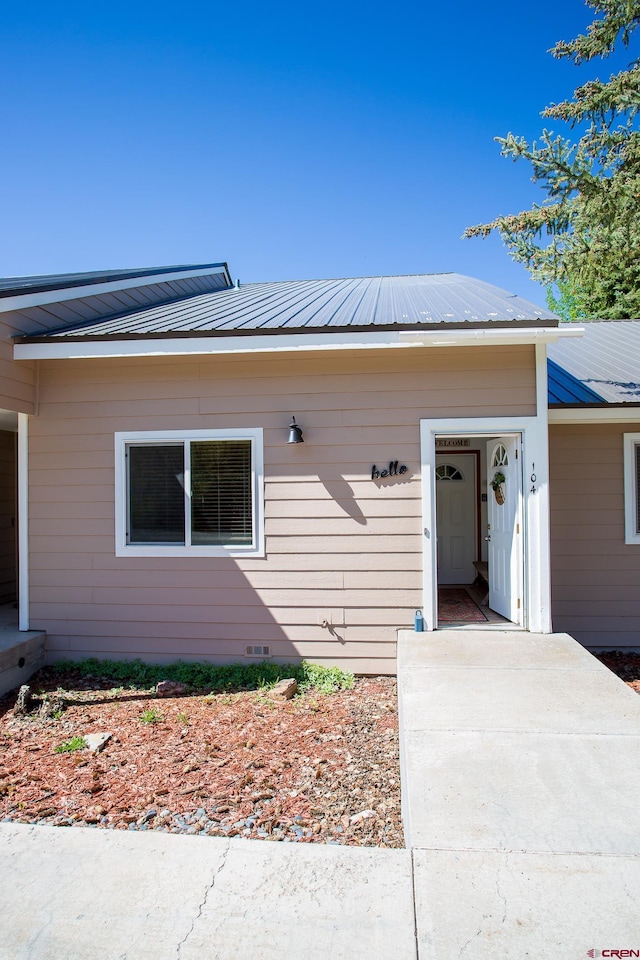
(124, 549)
(631, 505)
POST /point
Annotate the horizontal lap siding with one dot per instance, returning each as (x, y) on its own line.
(595, 575)
(339, 547)
(17, 379)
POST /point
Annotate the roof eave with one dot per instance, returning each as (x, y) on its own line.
(87, 347)
(594, 413)
(59, 292)
(405, 329)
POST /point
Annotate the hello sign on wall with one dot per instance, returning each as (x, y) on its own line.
(393, 470)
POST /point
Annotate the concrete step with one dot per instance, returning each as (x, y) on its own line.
(21, 654)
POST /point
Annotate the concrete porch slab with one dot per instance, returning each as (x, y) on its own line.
(515, 649)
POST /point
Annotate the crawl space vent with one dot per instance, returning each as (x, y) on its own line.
(257, 650)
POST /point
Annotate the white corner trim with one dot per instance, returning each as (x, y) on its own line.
(594, 415)
(124, 549)
(542, 381)
(538, 505)
(64, 349)
(23, 521)
(631, 505)
(23, 300)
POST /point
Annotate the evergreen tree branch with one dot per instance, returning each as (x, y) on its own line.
(583, 241)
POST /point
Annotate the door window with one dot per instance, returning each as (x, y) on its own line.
(448, 472)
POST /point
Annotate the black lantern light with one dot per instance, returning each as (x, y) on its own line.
(295, 432)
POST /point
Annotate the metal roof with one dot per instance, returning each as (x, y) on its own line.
(420, 301)
(606, 359)
(12, 286)
(564, 388)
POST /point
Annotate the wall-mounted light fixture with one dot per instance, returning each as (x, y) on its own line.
(295, 433)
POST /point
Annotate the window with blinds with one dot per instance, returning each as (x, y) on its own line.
(189, 491)
(221, 495)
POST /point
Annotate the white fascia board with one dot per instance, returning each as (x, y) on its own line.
(64, 349)
(438, 338)
(594, 415)
(22, 300)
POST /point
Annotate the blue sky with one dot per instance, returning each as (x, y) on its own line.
(292, 140)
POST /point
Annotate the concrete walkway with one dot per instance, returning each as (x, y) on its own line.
(521, 793)
(86, 894)
(521, 757)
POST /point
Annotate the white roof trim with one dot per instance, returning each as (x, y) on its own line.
(22, 300)
(65, 349)
(594, 415)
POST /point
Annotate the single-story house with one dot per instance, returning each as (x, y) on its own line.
(211, 470)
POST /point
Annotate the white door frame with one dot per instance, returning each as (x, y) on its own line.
(535, 493)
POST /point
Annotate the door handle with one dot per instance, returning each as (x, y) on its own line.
(488, 538)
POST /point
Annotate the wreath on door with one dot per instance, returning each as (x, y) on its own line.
(497, 485)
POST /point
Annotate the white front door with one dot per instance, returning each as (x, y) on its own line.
(504, 526)
(456, 517)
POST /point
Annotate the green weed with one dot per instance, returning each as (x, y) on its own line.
(69, 746)
(150, 716)
(219, 678)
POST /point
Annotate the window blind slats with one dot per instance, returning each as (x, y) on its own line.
(221, 492)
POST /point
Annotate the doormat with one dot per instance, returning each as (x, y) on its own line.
(454, 603)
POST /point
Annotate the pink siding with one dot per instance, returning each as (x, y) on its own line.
(338, 545)
(595, 575)
(17, 379)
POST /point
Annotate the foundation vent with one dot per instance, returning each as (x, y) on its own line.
(257, 650)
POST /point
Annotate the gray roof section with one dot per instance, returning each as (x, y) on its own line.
(99, 302)
(606, 359)
(15, 286)
(421, 301)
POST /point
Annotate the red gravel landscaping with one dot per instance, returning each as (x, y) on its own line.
(319, 768)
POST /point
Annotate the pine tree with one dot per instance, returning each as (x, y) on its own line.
(583, 241)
